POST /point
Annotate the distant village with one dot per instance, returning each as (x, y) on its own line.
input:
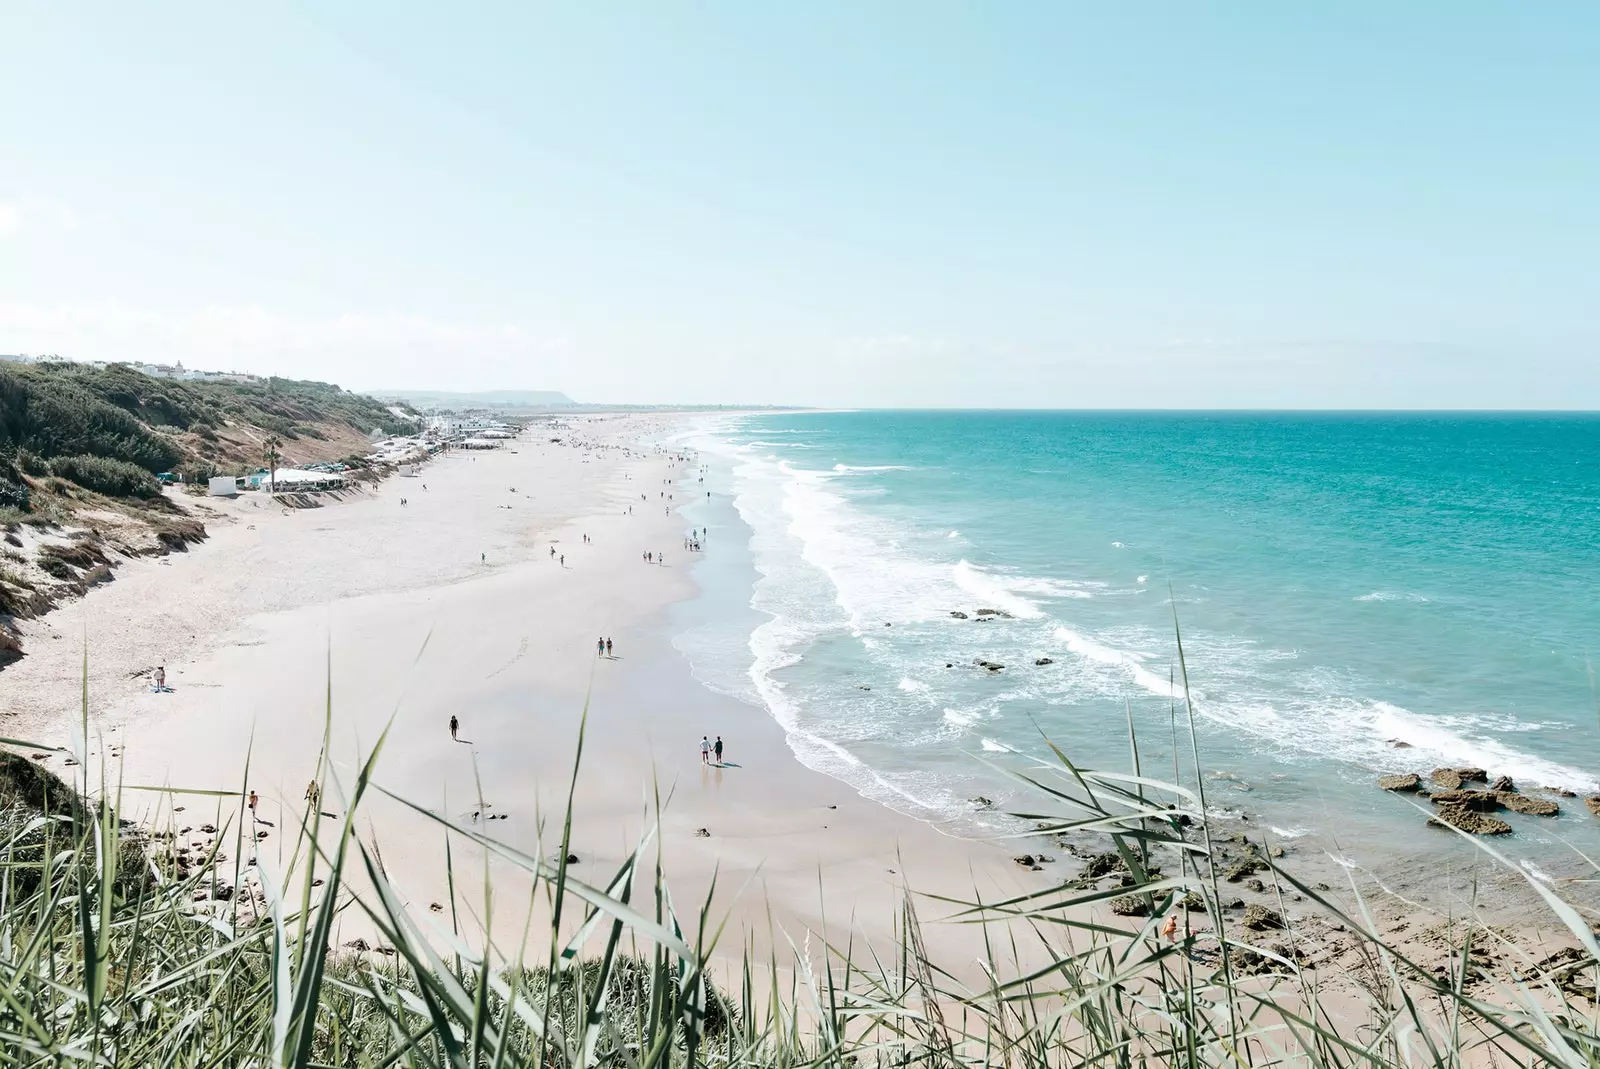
(402, 454)
(155, 371)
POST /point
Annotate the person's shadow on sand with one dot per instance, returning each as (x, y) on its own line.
(727, 764)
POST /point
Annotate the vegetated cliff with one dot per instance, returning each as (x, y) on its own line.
(81, 447)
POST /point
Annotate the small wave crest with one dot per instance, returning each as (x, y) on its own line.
(1392, 595)
(1084, 646)
(994, 590)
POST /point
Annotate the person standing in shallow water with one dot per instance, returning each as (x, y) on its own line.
(608, 647)
(705, 750)
(455, 725)
(600, 647)
(717, 749)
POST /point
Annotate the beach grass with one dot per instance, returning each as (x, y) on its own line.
(118, 949)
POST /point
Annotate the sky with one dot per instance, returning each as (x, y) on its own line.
(1192, 205)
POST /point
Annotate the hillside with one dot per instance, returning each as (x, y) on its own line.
(81, 446)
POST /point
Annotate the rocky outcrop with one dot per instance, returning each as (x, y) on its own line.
(1130, 906)
(1502, 783)
(959, 615)
(1408, 781)
(1477, 801)
(1593, 802)
(1099, 865)
(1261, 919)
(1470, 821)
(1452, 779)
(1044, 661)
(1000, 614)
(1521, 803)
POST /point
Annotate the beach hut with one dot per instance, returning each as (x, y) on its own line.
(223, 486)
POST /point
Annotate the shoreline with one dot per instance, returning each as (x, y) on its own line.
(508, 647)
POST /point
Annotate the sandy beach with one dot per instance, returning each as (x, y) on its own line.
(453, 604)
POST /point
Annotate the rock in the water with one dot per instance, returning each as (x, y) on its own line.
(1255, 885)
(1130, 906)
(1593, 802)
(1481, 801)
(1001, 613)
(1409, 781)
(990, 665)
(1470, 821)
(1261, 919)
(1448, 778)
(959, 615)
(1521, 803)
(1044, 661)
(981, 802)
(1502, 783)
(1025, 860)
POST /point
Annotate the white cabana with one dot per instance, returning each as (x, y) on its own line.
(300, 479)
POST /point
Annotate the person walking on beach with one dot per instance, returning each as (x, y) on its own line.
(608, 647)
(717, 748)
(705, 750)
(161, 678)
(600, 648)
(455, 725)
(254, 798)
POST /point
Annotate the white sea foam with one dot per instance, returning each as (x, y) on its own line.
(995, 747)
(870, 467)
(912, 686)
(1131, 663)
(953, 534)
(1435, 740)
(1142, 579)
(1391, 595)
(994, 591)
(960, 719)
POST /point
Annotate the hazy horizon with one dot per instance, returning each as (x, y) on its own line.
(1241, 207)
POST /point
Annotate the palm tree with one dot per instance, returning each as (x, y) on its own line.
(271, 454)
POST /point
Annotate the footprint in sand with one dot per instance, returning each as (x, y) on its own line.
(522, 651)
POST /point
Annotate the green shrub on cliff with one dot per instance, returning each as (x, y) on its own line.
(103, 475)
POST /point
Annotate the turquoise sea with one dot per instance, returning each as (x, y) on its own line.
(1357, 594)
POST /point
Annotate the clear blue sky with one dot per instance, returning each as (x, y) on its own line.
(1194, 205)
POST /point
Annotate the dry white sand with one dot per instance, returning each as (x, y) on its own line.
(452, 605)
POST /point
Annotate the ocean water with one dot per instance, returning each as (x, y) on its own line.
(1344, 584)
